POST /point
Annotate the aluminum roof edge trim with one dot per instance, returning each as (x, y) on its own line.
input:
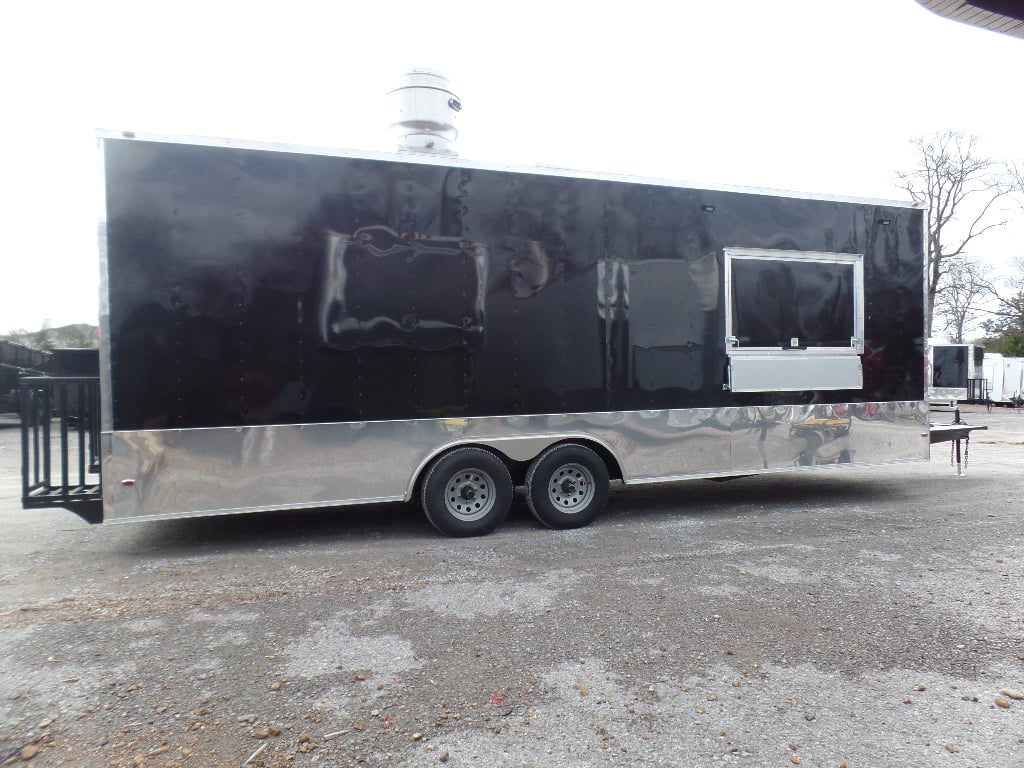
(423, 158)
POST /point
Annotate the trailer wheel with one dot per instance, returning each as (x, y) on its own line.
(467, 492)
(567, 486)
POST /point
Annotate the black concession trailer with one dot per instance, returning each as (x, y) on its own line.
(290, 328)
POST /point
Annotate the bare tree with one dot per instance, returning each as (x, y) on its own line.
(959, 188)
(75, 336)
(1005, 328)
(957, 302)
(43, 338)
(1015, 172)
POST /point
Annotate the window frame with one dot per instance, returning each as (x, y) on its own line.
(856, 260)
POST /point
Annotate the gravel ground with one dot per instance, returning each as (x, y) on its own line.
(861, 617)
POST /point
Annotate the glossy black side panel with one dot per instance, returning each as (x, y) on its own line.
(261, 287)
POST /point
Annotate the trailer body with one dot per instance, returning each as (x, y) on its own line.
(290, 328)
(954, 372)
(1004, 378)
(992, 372)
(1013, 380)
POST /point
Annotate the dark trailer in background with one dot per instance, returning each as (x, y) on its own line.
(17, 360)
(955, 373)
(290, 328)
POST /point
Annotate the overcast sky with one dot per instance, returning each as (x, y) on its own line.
(807, 95)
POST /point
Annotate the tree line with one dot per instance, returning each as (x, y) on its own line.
(968, 194)
(74, 336)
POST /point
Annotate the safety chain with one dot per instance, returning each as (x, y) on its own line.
(967, 451)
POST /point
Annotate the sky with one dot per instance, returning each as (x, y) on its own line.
(814, 96)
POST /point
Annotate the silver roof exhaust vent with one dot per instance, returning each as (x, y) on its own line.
(425, 110)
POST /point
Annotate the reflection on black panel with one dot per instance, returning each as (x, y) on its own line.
(381, 289)
(255, 287)
(778, 301)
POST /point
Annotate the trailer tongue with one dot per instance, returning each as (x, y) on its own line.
(958, 434)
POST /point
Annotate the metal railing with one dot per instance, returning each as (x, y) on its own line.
(978, 390)
(60, 444)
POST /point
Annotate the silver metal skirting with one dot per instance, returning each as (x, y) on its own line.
(180, 473)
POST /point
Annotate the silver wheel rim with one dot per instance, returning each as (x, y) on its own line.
(469, 495)
(571, 488)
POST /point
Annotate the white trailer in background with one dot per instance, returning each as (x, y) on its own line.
(1013, 379)
(1004, 377)
(992, 372)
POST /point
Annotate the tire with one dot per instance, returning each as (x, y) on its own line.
(567, 486)
(467, 492)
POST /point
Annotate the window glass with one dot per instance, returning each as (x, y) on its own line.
(949, 366)
(777, 302)
(793, 302)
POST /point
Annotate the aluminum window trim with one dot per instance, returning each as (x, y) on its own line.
(856, 260)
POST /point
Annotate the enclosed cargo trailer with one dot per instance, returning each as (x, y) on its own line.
(1013, 381)
(955, 372)
(1004, 377)
(17, 360)
(288, 328)
(992, 373)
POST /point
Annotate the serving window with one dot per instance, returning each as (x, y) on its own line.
(794, 320)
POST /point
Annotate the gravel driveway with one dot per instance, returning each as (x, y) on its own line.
(859, 617)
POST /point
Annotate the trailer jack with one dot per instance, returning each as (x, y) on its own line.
(958, 434)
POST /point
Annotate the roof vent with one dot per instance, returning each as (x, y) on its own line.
(425, 110)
